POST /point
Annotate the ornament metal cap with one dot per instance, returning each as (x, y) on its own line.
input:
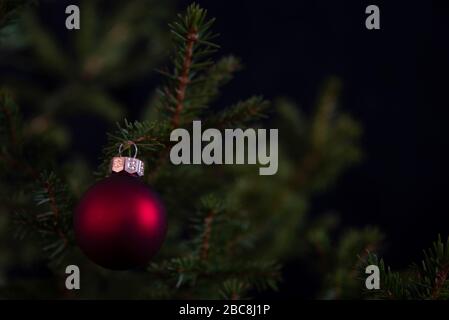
(132, 165)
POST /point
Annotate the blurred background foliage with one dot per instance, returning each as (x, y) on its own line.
(61, 78)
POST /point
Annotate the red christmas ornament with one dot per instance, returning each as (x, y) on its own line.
(120, 223)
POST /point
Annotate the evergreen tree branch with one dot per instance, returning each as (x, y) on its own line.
(194, 82)
(192, 38)
(151, 137)
(49, 188)
(240, 114)
(206, 235)
(233, 289)
(440, 281)
(190, 270)
(207, 86)
(54, 223)
(330, 140)
(219, 257)
(429, 280)
(210, 262)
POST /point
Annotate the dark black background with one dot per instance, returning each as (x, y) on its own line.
(395, 82)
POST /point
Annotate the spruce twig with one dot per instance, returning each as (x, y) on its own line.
(191, 39)
(426, 281)
(193, 47)
(55, 209)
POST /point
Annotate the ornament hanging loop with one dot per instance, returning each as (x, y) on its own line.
(132, 165)
(120, 149)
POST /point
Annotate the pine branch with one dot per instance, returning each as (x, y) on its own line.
(151, 139)
(54, 209)
(52, 220)
(329, 140)
(440, 282)
(192, 43)
(426, 281)
(340, 260)
(215, 228)
(191, 270)
(435, 268)
(207, 234)
(392, 285)
(191, 38)
(203, 223)
(240, 114)
(233, 289)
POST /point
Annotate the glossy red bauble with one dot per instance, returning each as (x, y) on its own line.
(120, 223)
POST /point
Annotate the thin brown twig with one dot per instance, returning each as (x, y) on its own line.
(192, 38)
(145, 138)
(34, 174)
(49, 189)
(205, 245)
(54, 208)
(440, 279)
(235, 296)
